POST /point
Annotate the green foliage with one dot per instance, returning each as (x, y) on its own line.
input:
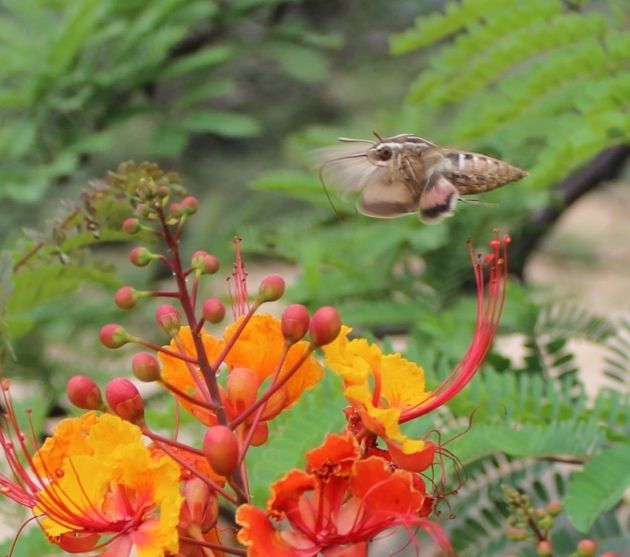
(598, 487)
(537, 82)
(302, 428)
(74, 72)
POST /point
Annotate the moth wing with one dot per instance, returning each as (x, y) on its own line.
(387, 195)
(438, 199)
(346, 166)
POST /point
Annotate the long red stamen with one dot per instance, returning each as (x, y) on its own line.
(488, 315)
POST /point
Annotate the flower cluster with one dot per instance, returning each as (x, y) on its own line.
(105, 481)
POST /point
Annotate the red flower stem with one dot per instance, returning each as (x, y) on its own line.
(187, 397)
(199, 381)
(273, 389)
(208, 371)
(211, 484)
(230, 343)
(199, 326)
(163, 294)
(214, 546)
(160, 439)
(166, 351)
(261, 409)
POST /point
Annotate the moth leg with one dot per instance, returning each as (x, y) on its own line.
(408, 173)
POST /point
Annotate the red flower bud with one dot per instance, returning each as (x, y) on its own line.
(271, 288)
(140, 257)
(200, 507)
(84, 393)
(261, 434)
(113, 336)
(544, 549)
(609, 554)
(177, 209)
(126, 297)
(295, 321)
(325, 326)
(241, 388)
(206, 263)
(213, 310)
(125, 400)
(190, 204)
(145, 366)
(586, 548)
(131, 225)
(221, 449)
(168, 318)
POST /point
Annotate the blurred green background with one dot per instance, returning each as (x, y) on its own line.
(234, 94)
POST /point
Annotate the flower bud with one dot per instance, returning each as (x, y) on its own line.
(125, 400)
(609, 554)
(126, 297)
(221, 449)
(84, 393)
(586, 548)
(206, 263)
(261, 434)
(113, 336)
(554, 508)
(200, 507)
(140, 256)
(325, 326)
(213, 310)
(271, 288)
(241, 388)
(168, 318)
(516, 534)
(176, 209)
(544, 549)
(131, 225)
(190, 204)
(295, 321)
(162, 191)
(145, 366)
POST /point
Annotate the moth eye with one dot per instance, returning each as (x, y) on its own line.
(384, 153)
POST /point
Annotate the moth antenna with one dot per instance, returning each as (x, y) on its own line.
(377, 135)
(477, 202)
(352, 140)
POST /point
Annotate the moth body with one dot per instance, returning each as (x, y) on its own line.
(407, 174)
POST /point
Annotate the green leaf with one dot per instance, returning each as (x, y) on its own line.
(228, 124)
(300, 62)
(168, 141)
(295, 432)
(598, 487)
(206, 58)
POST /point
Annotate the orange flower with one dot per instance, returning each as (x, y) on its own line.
(95, 477)
(387, 390)
(259, 347)
(336, 506)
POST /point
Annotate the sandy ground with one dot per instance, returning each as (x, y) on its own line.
(586, 260)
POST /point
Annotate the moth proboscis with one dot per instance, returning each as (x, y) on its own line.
(406, 174)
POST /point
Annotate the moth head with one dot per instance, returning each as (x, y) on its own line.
(380, 154)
